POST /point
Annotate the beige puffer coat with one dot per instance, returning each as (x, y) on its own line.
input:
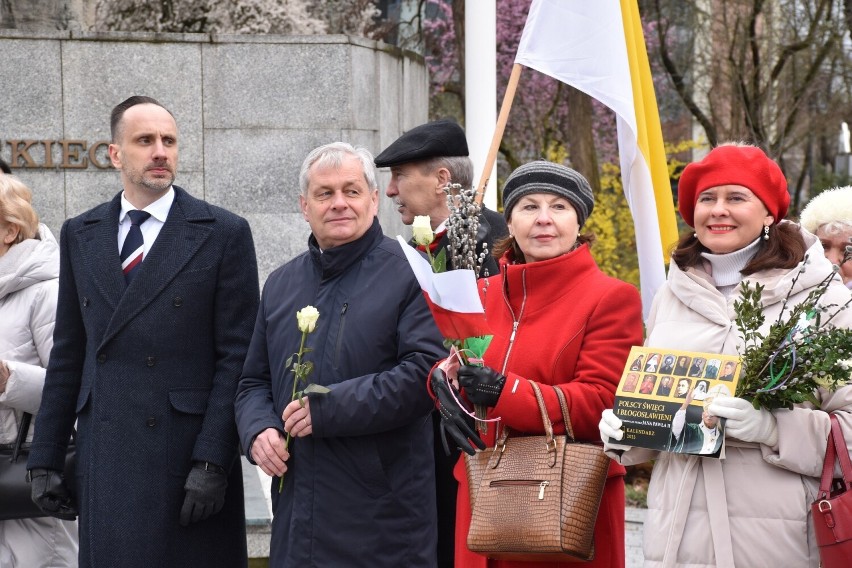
(751, 509)
(29, 274)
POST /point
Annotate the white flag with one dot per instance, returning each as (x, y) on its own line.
(597, 47)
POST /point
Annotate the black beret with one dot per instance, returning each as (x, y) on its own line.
(442, 138)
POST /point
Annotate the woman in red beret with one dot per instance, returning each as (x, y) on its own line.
(751, 508)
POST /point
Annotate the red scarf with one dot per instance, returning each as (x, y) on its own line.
(435, 240)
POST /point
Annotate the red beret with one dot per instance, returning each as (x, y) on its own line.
(747, 166)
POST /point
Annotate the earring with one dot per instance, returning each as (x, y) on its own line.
(694, 235)
(766, 232)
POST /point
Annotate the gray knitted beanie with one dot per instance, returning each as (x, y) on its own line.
(546, 177)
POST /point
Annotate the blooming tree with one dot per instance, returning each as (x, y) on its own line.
(355, 17)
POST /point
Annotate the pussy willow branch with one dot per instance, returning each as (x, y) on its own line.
(792, 285)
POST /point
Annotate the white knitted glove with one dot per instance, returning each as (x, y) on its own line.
(745, 422)
(610, 427)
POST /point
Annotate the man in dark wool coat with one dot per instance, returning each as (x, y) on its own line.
(157, 295)
(359, 476)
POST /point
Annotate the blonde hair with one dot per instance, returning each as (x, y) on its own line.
(16, 207)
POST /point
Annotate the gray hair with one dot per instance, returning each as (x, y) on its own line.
(460, 168)
(332, 155)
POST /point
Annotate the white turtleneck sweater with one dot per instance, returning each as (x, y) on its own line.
(725, 269)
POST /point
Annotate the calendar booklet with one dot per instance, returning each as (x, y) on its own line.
(663, 395)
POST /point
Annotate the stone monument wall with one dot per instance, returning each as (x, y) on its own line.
(248, 109)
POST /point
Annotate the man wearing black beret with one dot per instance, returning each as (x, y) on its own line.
(422, 162)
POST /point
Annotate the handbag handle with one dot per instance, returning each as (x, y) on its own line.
(566, 418)
(23, 428)
(835, 447)
(550, 442)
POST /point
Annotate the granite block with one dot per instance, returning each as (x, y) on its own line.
(257, 170)
(85, 189)
(142, 37)
(278, 86)
(192, 182)
(366, 106)
(278, 237)
(7, 33)
(391, 95)
(31, 105)
(258, 511)
(168, 72)
(415, 85)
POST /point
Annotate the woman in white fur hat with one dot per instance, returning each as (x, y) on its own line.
(829, 217)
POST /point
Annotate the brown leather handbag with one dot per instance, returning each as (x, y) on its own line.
(536, 498)
(832, 511)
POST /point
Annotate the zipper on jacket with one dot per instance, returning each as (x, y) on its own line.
(522, 483)
(340, 332)
(516, 321)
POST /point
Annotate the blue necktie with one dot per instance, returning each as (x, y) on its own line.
(131, 250)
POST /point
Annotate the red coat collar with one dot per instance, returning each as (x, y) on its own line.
(545, 281)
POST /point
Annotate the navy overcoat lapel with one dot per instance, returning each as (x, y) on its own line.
(187, 227)
(97, 239)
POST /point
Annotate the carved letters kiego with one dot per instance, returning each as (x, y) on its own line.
(53, 154)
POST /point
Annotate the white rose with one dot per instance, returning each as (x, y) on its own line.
(307, 318)
(422, 229)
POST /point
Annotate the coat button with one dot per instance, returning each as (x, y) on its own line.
(177, 302)
(151, 422)
(102, 358)
(150, 361)
(85, 302)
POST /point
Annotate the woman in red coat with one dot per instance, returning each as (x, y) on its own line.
(557, 320)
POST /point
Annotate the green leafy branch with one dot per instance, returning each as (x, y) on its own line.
(799, 353)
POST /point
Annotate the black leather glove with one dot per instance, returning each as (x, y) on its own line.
(205, 492)
(51, 495)
(453, 421)
(482, 385)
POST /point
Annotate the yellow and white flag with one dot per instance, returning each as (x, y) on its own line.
(598, 47)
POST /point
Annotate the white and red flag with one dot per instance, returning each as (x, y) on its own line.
(452, 297)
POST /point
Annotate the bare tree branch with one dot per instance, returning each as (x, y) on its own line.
(678, 79)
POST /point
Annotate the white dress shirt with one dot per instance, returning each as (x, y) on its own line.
(159, 210)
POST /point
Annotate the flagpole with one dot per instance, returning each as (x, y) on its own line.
(502, 119)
